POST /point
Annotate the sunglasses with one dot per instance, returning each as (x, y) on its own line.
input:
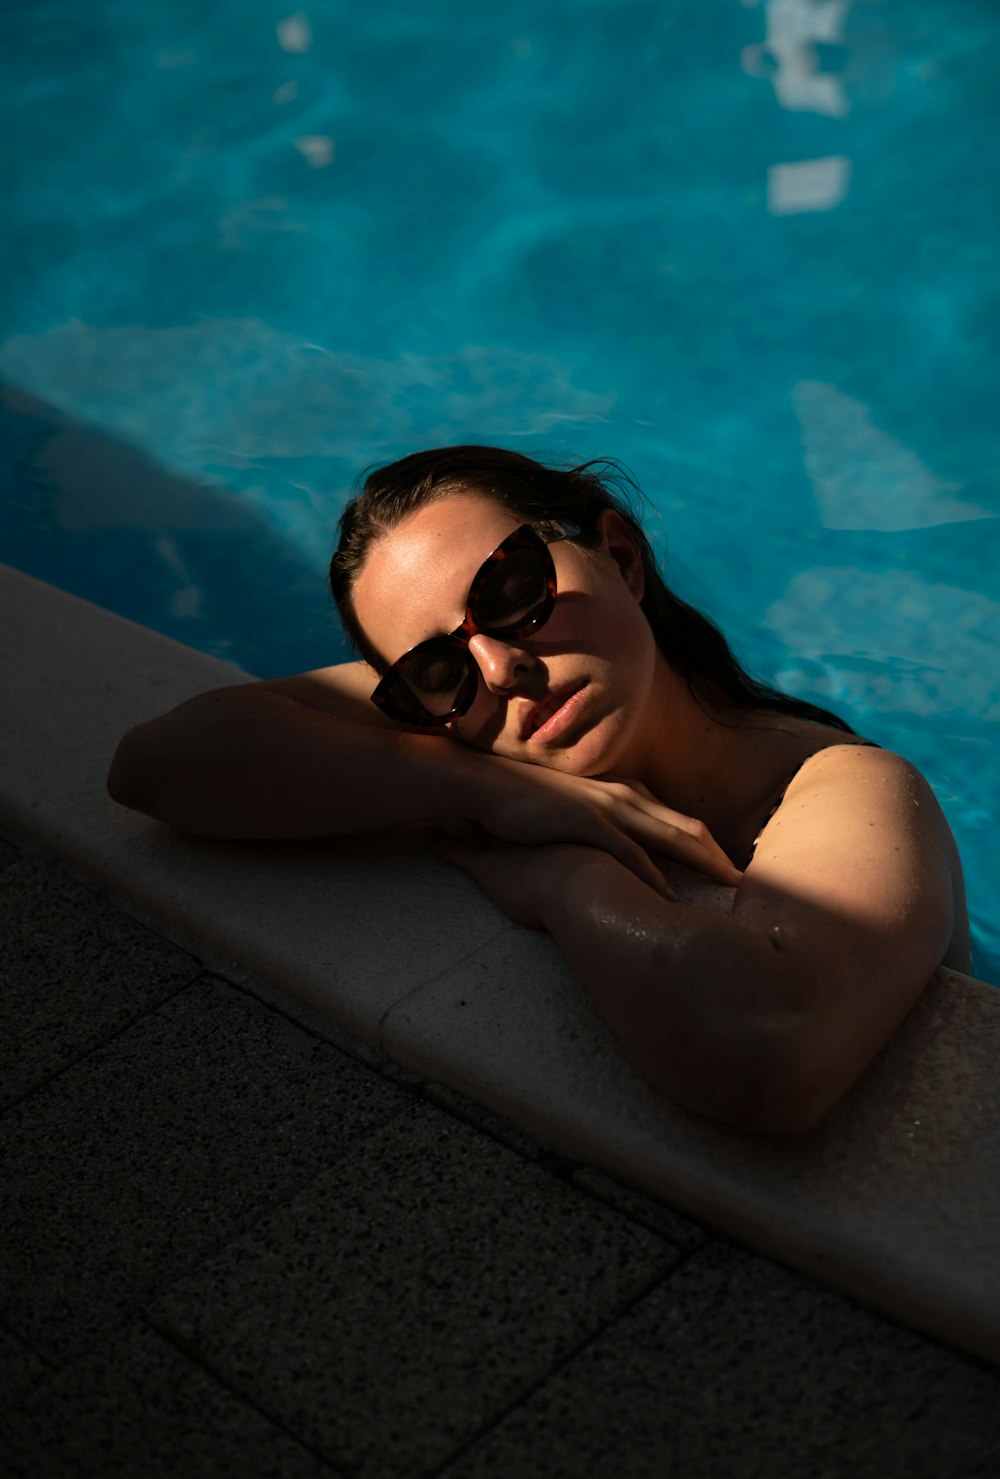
(512, 594)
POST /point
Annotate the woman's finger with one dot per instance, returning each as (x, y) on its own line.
(696, 849)
(634, 857)
(619, 816)
(704, 857)
(660, 829)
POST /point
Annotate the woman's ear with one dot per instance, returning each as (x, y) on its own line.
(619, 542)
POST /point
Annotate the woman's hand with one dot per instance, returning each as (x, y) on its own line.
(531, 804)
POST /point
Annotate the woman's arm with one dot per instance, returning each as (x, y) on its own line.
(286, 759)
(763, 1019)
(310, 756)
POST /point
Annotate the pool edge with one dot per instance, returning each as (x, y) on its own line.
(890, 1214)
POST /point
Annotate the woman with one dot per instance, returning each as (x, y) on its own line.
(597, 725)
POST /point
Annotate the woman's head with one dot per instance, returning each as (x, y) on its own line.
(594, 497)
(527, 489)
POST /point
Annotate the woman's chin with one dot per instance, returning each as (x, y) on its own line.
(600, 750)
(598, 746)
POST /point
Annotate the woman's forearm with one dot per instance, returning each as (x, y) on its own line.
(692, 996)
(249, 763)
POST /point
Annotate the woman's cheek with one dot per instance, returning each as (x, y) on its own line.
(482, 726)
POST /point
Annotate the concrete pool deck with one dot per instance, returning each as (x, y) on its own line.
(460, 1242)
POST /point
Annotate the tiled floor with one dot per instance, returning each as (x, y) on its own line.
(230, 1248)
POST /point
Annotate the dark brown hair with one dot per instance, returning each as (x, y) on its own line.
(691, 643)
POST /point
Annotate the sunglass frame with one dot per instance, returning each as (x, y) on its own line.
(389, 694)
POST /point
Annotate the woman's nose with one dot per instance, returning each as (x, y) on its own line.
(504, 665)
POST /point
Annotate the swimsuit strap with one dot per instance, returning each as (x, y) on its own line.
(840, 745)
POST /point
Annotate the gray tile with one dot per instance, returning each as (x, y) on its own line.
(21, 1374)
(72, 971)
(160, 1146)
(475, 1114)
(72, 1255)
(136, 1406)
(410, 1294)
(20, 1368)
(15, 1465)
(676, 1228)
(220, 1091)
(735, 1367)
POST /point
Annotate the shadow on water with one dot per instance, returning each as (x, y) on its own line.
(87, 511)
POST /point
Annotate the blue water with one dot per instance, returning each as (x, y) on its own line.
(748, 248)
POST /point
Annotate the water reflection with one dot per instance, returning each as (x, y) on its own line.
(295, 32)
(788, 57)
(863, 478)
(96, 516)
(316, 149)
(249, 218)
(893, 642)
(186, 602)
(807, 185)
(225, 397)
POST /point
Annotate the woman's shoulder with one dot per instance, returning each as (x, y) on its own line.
(853, 772)
(869, 813)
(838, 756)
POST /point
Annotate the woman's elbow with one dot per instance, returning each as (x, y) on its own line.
(767, 1087)
(782, 1115)
(793, 1088)
(130, 778)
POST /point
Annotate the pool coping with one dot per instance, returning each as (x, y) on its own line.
(894, 1200)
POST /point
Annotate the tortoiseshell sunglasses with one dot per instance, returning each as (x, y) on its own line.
(512, 594)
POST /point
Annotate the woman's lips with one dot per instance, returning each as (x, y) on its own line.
(547, 721)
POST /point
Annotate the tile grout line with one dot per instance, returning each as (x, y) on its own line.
(556, 1164)
(212, 961)
(436, 976)
(354, 1048)
(190, 1353)
(560, 1363)
(104, 1041)
(7, 1329)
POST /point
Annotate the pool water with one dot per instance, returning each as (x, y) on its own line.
(748, 248)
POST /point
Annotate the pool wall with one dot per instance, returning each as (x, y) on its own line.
(397, 958)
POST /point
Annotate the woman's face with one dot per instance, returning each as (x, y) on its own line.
(579, 693)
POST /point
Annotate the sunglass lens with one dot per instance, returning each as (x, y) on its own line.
(514, 595)
(433, 679)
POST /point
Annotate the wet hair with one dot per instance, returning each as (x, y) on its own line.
(691, 643)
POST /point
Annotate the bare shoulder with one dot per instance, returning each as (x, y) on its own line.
(859, 785)
(861, 842)
(856, 885)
